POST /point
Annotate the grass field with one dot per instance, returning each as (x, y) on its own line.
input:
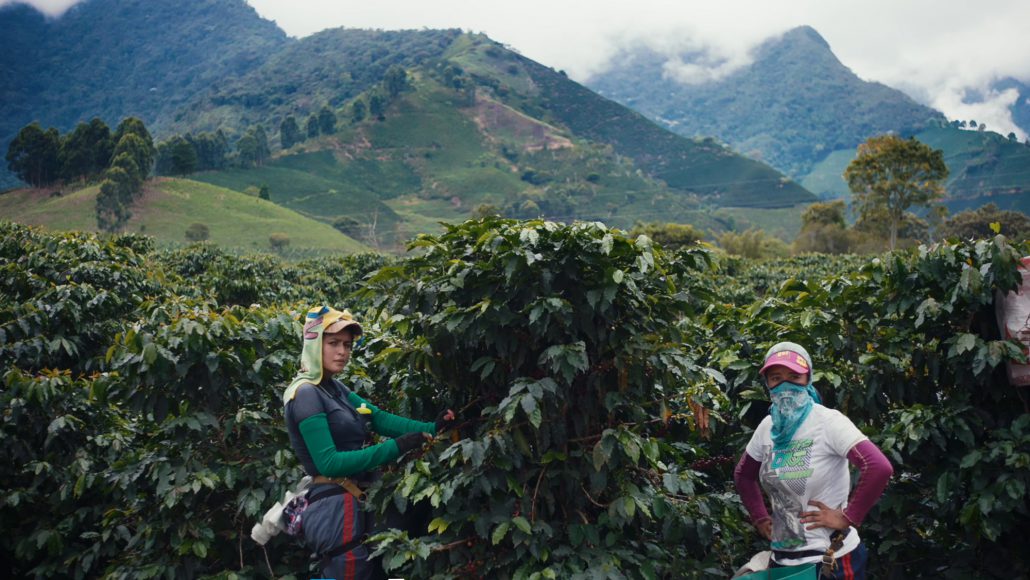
(169, 206)
(827, 177)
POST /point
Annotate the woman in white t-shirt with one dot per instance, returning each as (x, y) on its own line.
(800, 455)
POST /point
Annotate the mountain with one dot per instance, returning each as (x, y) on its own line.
(329, 67)
(117, 58)
(474, 125)
(790, 107)
(335, 65)
(482, 127)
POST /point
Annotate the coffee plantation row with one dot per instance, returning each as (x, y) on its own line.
(605, 388)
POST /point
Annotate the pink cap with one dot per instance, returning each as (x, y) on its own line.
(786, 358)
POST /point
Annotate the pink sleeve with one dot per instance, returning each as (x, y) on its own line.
(874, 472)
(745, 475)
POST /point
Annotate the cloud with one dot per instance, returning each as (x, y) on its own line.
(48, 7)
(991, 109)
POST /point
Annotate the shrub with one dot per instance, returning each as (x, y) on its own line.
(197, 232)
(279, 240)
(753, 243)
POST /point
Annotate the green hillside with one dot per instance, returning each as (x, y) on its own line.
(438, 155)
(703, 166)
(827, 177)
(984, 167)
(169, 206)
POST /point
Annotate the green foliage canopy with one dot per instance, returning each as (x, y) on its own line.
(143, 431)
(891, 174)
(312, 127)
(140, 145)
(979, 223)
(289, 132)
(560, 346)
(326, 120)
(823, 229)
(33, 155)
(86, 151)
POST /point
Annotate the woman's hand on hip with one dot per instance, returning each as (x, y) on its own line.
(824, 517)
(764, 527)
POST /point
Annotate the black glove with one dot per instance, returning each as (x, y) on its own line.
(445, 420)
(410, 441)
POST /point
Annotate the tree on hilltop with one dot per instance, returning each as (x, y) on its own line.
(135, 148)
(289, 132)
(33, 155)
(358, 111)
(134, 157)
(327, 121)
(261, 140)
(112, 209)
(212, 149)
(252, 148)
(184, 157)
(396, 80)
(891, 174)
(312, 127)
(144, 151)
(86, 151)
(377, 106)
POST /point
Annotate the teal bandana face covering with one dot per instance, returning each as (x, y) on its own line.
(791, 404)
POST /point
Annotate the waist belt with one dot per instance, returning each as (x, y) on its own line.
(344, 483)
(324, 493)
(788, 555)
(829, 557)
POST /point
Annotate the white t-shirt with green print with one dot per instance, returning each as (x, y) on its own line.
(813, 466)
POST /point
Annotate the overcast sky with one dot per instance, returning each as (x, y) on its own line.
(934, 50)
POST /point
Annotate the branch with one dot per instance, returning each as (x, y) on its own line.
(532, 509)
(451, 546)
(592, 500)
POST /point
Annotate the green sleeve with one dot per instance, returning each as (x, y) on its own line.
(389, 424)
(333, 463)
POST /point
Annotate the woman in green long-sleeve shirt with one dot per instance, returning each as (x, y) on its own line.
(329, 428)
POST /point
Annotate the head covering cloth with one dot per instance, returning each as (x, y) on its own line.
(319, 321)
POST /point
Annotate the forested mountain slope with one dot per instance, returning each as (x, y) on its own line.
(791, 106)
(117, 58)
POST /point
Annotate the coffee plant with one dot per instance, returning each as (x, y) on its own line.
(604, 390)
(907, 347)
(560, 347)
